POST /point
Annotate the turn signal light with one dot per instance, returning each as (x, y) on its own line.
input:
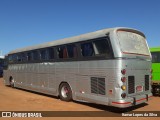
(123, 87)
(123, 71)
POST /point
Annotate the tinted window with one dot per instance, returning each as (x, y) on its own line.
(97, 47)
(62, 52)
(87, 49)
(101, 47)
(36, 55)
(23, 57)
(155, 57)
(29, 56)
(10, 59)
(72, 51)
(1, 61)
(43, 54)
(19, 57)
(14, 57)
(50, 53)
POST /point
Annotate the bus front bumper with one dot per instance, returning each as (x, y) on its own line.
(131, 101)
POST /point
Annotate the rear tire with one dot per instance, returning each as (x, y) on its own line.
(65, 92)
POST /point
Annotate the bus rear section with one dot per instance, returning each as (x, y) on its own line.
(155, 70)
(133, 86)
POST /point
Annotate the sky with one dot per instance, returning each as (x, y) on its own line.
(31, 22)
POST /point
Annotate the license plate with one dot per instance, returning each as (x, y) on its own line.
(139, 88)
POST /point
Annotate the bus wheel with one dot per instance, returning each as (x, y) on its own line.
(65, 92)
(12, 82)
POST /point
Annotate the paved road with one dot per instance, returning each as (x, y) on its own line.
(21, 100)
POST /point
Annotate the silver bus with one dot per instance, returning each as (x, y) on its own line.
(110, 67)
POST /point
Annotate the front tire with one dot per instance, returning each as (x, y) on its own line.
(65, 92)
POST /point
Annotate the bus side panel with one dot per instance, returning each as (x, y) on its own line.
(97, 81)
(39, 77)
(19, 79)
(44, 78)
(6, 77)
(51, 79)
(66, 72)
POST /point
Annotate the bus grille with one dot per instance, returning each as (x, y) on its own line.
(131, 84)
(146, 82)
(98, 85)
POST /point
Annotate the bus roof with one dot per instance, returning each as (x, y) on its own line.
(155, 49)
(83, 37)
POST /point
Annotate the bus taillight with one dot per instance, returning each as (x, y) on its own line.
(123, 71)
(123, 95)
(123, 79)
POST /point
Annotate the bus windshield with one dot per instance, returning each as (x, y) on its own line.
(132, 43)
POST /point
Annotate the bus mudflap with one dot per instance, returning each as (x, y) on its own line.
(147, 97)
(134, 101)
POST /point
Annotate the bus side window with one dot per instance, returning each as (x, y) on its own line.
(65, 52)
(62, 52)
(10, 59)
(29, 56)
(19, 57)
(72, 51)
(14, 57)
(87, 49)
(36, 55)
(43, 54)
(50, 53)
(23, 57)
(101, 47)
